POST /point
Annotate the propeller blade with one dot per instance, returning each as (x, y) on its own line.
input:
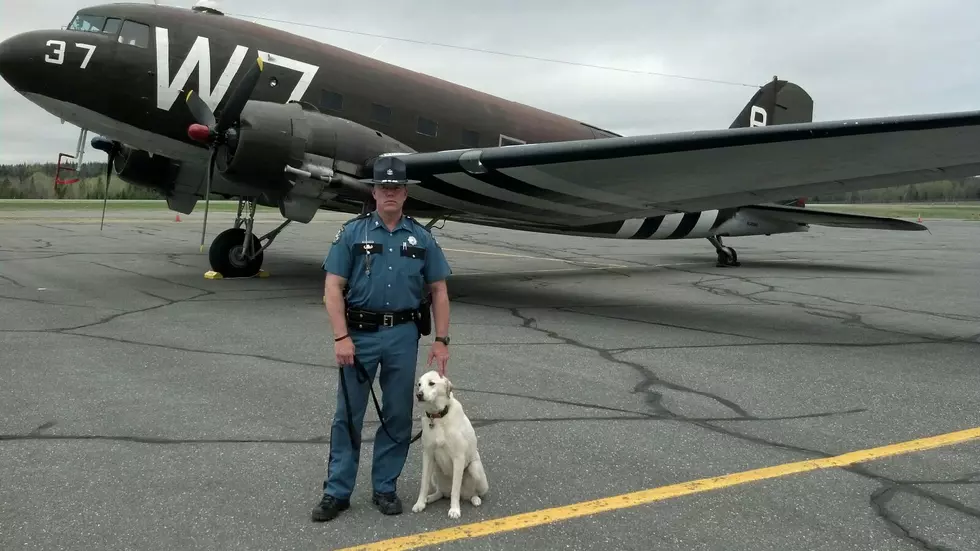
(200, 110)
(236, 103)
(207, 193)
(108, 174)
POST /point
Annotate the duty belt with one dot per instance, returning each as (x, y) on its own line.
(369, 320)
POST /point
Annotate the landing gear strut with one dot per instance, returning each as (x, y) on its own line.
(236, 252)
(726, 255)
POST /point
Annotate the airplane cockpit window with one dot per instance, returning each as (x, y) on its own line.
(112, 25)
(87, 23)
(135, 34)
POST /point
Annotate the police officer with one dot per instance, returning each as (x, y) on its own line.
(386, 260)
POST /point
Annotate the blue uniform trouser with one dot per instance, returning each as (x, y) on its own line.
(396, 348)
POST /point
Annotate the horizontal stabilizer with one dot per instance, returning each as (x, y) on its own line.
(835, 219)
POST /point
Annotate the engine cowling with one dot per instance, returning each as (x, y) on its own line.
(274, 136)
(139, 168)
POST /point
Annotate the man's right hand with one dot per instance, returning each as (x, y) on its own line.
(344, 351)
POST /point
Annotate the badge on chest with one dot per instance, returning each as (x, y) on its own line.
(410, 250)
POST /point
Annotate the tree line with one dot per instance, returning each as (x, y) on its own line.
(36, 181)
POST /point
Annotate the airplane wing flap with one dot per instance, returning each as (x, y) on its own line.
(649, 175)
(827, 218)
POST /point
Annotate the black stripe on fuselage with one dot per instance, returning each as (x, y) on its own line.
(649, 226)
(687, 224)
(724, 215)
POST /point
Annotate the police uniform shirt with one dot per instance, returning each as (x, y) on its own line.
(400, 263)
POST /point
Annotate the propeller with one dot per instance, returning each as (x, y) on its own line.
(219, 131)
(111, 148)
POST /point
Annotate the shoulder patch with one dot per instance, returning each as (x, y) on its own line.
(336, 238)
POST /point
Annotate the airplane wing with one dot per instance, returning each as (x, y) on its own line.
(609, 179)
(816, 217)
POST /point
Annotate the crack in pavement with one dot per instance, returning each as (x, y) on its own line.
(881, 498)
(847, 318)
(12, 281)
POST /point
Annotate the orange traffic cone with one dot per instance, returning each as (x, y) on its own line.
(178, 218)
(920, 218)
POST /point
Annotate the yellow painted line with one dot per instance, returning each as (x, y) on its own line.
(546, 516)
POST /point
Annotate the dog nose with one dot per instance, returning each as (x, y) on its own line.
(419, 396)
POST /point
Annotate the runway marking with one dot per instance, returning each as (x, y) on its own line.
(547, 516)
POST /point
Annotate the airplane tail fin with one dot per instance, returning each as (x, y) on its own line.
(778, 102)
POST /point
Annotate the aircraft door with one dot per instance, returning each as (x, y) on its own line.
(134, 68)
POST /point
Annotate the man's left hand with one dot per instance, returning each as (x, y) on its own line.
(440, 352)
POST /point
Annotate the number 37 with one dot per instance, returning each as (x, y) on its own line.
(57, 57)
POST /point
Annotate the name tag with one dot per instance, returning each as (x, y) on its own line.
(413, 252)
(365, 248)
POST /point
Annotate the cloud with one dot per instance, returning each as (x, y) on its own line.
(857, 59)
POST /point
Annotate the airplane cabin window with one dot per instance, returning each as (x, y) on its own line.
(380, 113)
(111, 26)
(87, 23)
(135, 34)
(470, 138)
(331, 101)
(427, 127)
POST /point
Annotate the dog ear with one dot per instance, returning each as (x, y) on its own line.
(449, 387)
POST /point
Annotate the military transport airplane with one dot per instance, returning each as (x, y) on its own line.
(190, 102)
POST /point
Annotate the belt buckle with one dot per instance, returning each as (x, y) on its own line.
(388, 320)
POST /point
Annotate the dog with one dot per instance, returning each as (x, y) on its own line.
(451, 464)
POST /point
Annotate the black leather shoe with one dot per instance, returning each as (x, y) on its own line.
(328, 508)
(388, 504)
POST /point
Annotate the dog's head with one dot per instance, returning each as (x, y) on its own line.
(433, 389)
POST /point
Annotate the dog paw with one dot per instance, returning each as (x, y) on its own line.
(476, 501)
(418, 507)
(454, 512)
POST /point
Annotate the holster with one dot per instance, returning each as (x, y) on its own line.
(424, 322)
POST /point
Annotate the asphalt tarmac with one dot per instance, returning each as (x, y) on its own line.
(143, 406)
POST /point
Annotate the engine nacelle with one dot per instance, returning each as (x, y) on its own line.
(274, 136)
(137, 167)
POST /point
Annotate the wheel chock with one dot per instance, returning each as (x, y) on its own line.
(215, 275)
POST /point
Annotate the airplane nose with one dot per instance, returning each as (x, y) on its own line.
(14, 59)
(5, 56)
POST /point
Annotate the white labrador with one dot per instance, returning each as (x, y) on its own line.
(451, 464)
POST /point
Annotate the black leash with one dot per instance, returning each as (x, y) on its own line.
(364, 377)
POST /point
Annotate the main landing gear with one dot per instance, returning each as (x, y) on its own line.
(232, 254)
(727, 256)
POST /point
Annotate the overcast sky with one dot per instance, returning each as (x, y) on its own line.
(856, 58)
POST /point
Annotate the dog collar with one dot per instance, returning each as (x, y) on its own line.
(439, 414)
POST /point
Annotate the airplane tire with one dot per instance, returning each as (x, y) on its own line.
(727, 257)
(225, 254)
